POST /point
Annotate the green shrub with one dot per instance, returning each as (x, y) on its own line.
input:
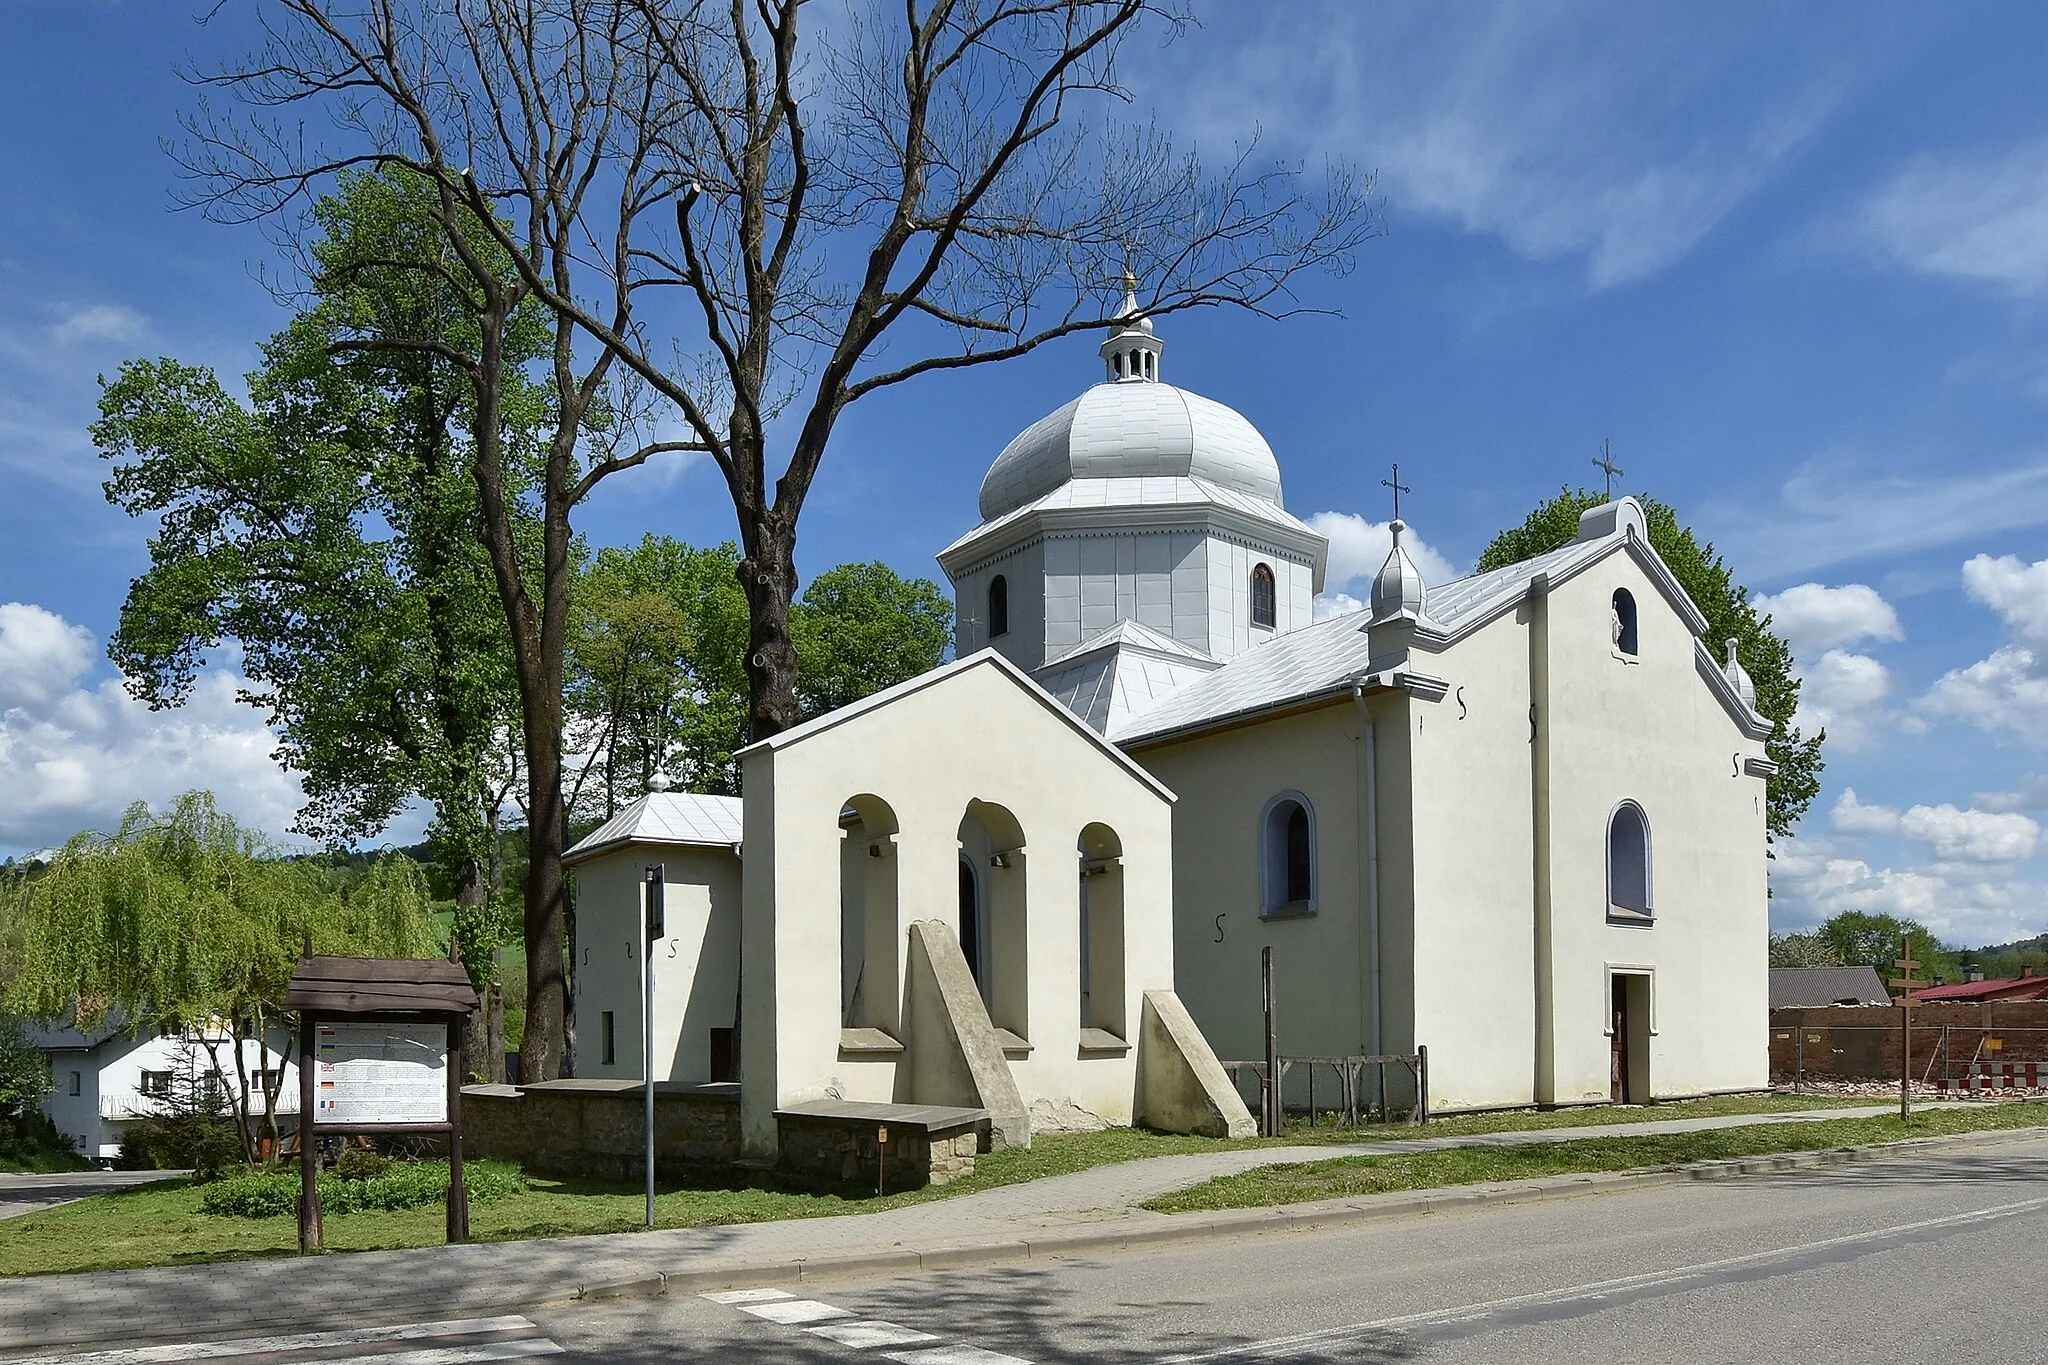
(402, 1185)
(30, 1142)
(360, 1163)
(204, 1144)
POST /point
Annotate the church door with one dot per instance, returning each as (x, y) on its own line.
(1617, 1077)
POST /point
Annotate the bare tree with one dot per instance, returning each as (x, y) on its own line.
(758, 223)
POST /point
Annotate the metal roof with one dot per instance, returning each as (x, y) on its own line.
(666, 818)
(1813, 987)
(1130, 428)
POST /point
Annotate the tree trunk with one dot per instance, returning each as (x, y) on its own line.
(768, 576)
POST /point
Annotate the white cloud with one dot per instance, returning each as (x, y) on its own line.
(1813, 617)
(100, 322)
(74, 755)
(2017, 591)
(1956, 836)
(1572, 132)
(1330, 604)
(1844, 694)
(1358, 547)
(1848, 506)
(1981, 217)
(2008, 690)
(41, 655)
(1812, 881)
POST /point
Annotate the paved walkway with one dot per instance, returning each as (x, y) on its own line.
(445, 1282)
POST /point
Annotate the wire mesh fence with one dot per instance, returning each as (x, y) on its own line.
(1968, 1058)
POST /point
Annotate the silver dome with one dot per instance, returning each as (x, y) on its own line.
(1132, 428)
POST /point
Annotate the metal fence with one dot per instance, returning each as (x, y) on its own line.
(1352, 1090)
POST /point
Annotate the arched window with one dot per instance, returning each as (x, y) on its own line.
(1628, 864)
(1264, 599)
(1623, 625)
(1287, 856)
(998, 606)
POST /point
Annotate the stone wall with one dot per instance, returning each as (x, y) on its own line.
(594, 1128)
(825, 1154)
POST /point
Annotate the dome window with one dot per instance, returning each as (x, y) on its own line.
(998, 606)
(1265, 608)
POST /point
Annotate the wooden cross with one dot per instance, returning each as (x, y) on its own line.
(1607, 466)
(1904, 984)
(1399, 488)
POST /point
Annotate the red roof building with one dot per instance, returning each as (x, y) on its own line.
(2025, 986)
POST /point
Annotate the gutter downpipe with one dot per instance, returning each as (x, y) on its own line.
(1369, 845)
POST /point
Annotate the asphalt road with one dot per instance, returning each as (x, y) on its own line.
(22, 1193)
(1930, 1259)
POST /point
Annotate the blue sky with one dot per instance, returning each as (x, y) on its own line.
(1791, 260)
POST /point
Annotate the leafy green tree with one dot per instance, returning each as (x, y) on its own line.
(658, 680)
(860, 628)
(330, 528)
(1859, 938)
(1803, 950)
(189, 918)
(24, 1073)
(1730, 616)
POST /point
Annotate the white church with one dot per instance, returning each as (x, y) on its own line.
(1517, 818)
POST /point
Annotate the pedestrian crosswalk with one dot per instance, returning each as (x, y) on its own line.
(831, 1323)
(464, 1341)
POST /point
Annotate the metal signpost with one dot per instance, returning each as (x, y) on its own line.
(1905, 985)
(380, 1051)
(653, 928)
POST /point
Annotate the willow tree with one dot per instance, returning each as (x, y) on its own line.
(759, 222)
(187, 918)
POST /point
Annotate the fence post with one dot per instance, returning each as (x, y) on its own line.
(1272, 1114)
(1421, 1083)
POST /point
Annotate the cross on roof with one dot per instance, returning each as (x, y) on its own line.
(1607, 466)
(1399, 488)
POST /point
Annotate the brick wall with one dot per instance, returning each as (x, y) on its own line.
(1862, 1042)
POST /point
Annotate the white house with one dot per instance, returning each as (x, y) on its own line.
(1517, 818)
(108, 1077)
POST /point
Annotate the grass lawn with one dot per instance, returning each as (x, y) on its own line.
(1359, 1175)
(162, 1224)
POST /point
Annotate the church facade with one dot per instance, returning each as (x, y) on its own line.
(1517, 818)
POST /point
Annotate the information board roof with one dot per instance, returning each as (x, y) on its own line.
(380, 985)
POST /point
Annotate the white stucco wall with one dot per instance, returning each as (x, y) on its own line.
(973, 734)
(1652, 731)
(696, 964)
(110, 1084)
(1224, 781)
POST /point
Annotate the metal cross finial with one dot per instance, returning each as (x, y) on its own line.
(1606, 465)
(1399, 488)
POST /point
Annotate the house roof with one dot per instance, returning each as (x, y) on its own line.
(2008, 988)
(1813, 987)
(666, 818)
(371, 985)
(68, 1037)
(1333, 655)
